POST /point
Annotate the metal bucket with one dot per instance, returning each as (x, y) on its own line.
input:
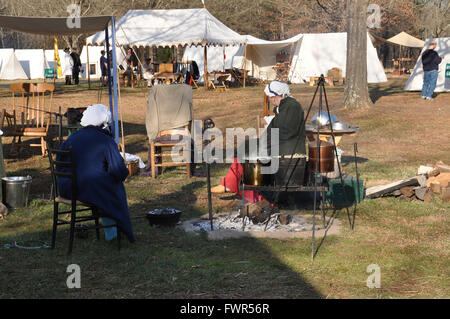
(15, 191)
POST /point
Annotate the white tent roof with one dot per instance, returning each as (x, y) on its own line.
(406, 40)
(4, 56)
(11, 69)
(415, 81)
(317, 53)
(178, 27)
(32, 61)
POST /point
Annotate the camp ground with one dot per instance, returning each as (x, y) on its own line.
(164, 205)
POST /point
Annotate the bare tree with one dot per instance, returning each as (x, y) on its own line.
(356, 93)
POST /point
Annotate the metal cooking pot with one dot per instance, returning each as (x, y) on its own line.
(325, 154)
(252, 172)
(340, 126)
(322, 119)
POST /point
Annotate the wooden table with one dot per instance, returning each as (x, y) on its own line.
(325, 134)
(220, 77)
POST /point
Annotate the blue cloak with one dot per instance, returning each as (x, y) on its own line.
(101, 171)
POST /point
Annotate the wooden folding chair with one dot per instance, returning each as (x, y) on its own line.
(161, 149)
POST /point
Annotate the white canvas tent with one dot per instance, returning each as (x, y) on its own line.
(11, 68)
(415, 81)
(261, 56)
(317, 53)
(4, 56)
(32, 62)
(313, 55)
(176, 27)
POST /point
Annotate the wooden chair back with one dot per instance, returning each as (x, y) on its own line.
(10, 122)
(23, 89)
(40, 110)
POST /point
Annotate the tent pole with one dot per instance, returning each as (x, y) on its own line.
(45, 59)
(245, 64)
(108, 57)
(205, 67)
(116, 115)
(88, 67)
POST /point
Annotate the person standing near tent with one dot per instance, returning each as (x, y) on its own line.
(103, 67)
(100, 168)
(68, 66)
(76, 66)
(430, 61)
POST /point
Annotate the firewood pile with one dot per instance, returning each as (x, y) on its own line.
(431, 180)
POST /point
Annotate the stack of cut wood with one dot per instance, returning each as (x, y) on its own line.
(430, 180)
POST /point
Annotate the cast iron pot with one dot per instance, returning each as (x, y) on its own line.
(163, 217)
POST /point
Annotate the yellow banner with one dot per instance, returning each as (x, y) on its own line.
(57, 60)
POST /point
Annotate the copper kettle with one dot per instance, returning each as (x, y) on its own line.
(325, 157)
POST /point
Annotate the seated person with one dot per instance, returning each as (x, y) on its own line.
(289, 119)
(148, 71)
(100, 169)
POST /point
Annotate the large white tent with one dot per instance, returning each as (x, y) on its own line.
(261, 56)
(176, 27)
(167, 28)
(415, 81)
(32, 62)
(11, 68)
(317, 53)
(312, 55)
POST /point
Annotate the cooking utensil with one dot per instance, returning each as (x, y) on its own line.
(252, 172)
(340, 126)
(325, 155)
(163, 217)
(322, 119)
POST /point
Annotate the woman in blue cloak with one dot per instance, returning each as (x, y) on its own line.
(100, 169)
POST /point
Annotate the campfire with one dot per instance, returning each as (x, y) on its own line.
(259, 216)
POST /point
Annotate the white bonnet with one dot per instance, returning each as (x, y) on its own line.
(276, 88)
(96, 115)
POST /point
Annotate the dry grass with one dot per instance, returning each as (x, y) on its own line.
(410, 241)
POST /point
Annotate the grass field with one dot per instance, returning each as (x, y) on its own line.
(410, 241)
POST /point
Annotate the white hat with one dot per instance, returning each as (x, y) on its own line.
(277, 88)
(96, 115)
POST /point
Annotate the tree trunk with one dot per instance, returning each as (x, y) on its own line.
(356, 93)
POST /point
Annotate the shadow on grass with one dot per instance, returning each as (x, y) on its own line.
(163, 263)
